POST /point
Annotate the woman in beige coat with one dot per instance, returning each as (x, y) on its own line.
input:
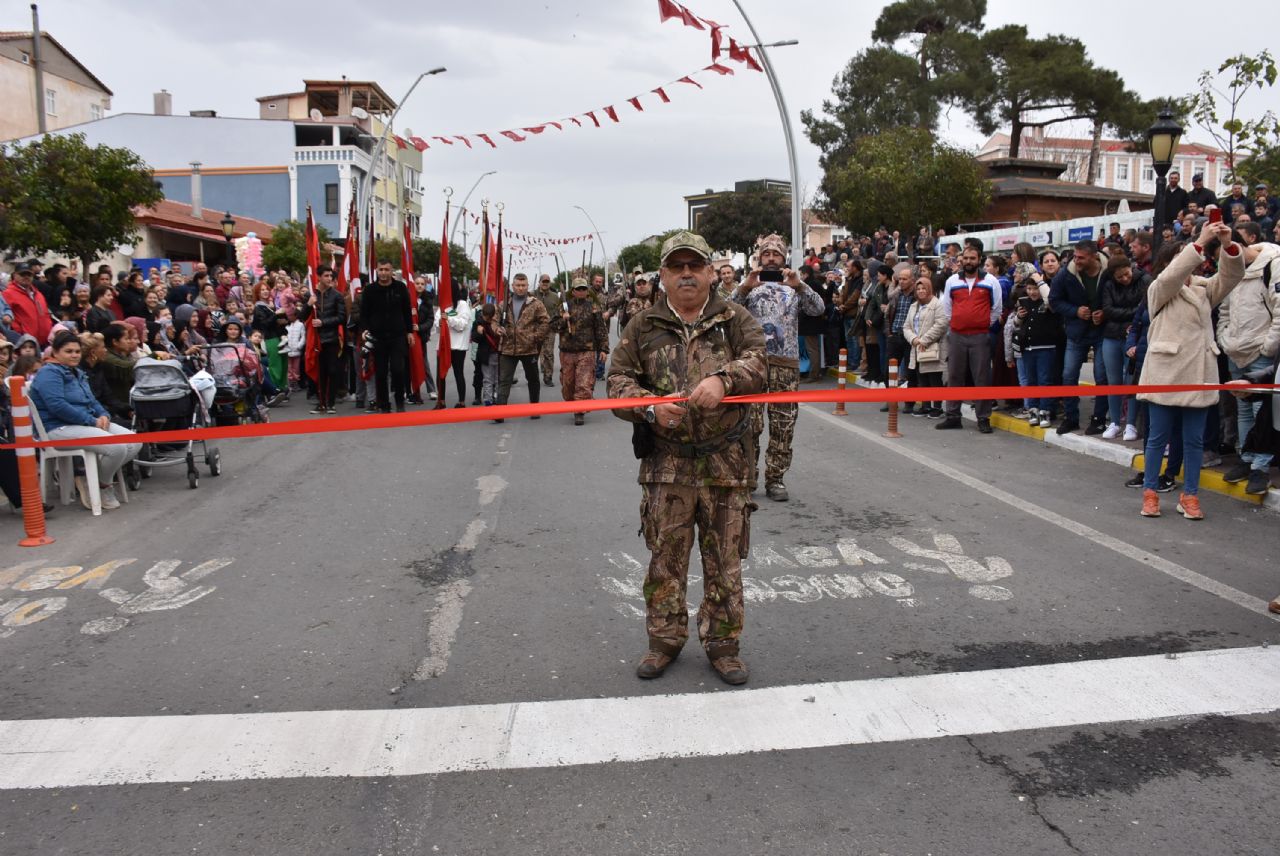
(926, 334)
(1181, 350)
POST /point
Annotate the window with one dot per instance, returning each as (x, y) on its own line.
(331, 199)
(51, 102)
(26, 58)
(1148, 173)
(1122, 171)
(95, 112)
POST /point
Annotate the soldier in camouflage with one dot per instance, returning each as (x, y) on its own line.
(776, 300)
(584, 339)
(698, 472)
(641, 299)
(552, 301)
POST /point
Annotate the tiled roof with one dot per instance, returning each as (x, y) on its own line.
(1016, 185)
(178, 214)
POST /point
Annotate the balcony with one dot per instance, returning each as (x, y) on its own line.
(316, 155)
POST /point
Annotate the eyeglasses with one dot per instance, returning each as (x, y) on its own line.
(677, 267)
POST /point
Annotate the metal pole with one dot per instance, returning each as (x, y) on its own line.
(797, 236)
(38, 64)
(367, 195)
(600, 238)
(1157, 228)
(463, 206)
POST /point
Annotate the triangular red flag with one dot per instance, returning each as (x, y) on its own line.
(715, 43)
(611, 113)
(419, 143)
(465, 140)
(497, 265)
(751, 61)
(536, 129)
(417, 362)
(445, 140)
(662, 93)
(688, 79)
(592, 114)
(635, 102)
(668, 10)
(485, 137)
(690, 19)
(719, 69)
(577, 122)
(512, 135)
(556, 125)
(400, 141)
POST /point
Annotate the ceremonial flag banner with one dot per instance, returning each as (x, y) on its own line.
(311, 361)
(484, 255)
(498, 273)
(444, 301)
(417, 365)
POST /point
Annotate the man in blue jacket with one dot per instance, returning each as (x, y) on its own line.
(1074, 294)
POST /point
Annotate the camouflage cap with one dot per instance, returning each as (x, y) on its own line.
(686, 240)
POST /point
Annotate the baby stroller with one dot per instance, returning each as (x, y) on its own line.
(235, 369)
(164, 399)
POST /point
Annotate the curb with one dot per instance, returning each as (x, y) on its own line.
(1103, 450)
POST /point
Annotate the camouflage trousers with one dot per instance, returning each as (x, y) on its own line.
(668, 514)
(547, 358)
(578, 375)
(782, 425)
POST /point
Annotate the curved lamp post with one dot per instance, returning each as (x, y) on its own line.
(599, 238)
(465, 200)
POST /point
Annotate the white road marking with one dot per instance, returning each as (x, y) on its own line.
(471, 537)
(442, 628)
(1151, 560)
(63, 753)
(490, 487)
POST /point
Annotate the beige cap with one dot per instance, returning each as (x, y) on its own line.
(686, 240)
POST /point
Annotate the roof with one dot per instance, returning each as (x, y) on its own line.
(176, 216)
(281, 95)
(389, 102)
(1018, 185)
(13, 35)
(1029, 142)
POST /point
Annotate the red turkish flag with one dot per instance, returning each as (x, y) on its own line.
(512, 135)
(715, 43)
(445, 140)
(417, 363)
(688, 79)
(536, 129)
(419, 143)
(611, 113)
(690, 19)
(635, 102)
(662, 93)
(311, 359)
(465, 140)
(577, 122)
(485, 137)
(668, 10)
(400, 141)
(592, 115)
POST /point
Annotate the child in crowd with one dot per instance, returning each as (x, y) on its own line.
(486, 336)
(295, 344)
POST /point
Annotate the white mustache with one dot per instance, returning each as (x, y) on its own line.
(688, 280)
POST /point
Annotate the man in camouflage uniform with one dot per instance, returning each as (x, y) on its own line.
(641, 299)
(777, 306)
(583, 340)
(552, 301)
(697, 473)
(524, 324)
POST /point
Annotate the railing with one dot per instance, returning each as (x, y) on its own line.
(332, 154)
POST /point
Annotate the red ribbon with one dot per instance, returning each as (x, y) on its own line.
(517, 411)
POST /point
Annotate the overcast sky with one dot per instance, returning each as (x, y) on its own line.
(513, 64)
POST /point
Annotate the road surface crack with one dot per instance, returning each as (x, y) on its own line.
(1025, 784)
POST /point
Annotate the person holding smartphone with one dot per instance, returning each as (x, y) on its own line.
(775, 296)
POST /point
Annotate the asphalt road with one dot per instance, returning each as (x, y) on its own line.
(477, 565)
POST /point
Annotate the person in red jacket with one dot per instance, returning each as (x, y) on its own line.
(30, 311)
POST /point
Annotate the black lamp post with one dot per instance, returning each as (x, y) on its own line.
(1162, 143)
(228, 230)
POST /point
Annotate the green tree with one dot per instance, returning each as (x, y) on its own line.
(646, 254)
(60, 196)
(1218, 108)
(288, 247)
(734, 221)
(931, 25)
(426, 259)
(907, 179)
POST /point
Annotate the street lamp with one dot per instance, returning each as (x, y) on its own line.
(1162, 142)
(228, 231)
(463, 206)
(603, 251)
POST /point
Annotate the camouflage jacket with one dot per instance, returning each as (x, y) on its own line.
(553, 301)
(524, 336)
(586, 329)
(777, 307)
(659, 355)
(634, 306)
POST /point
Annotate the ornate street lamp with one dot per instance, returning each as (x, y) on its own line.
(228, 231)
(1162, 143)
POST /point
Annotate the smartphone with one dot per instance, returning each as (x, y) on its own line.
(1027, 303)
(1215, 214)
(771, 276)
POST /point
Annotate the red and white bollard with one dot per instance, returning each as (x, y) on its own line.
(28, 477)
(892, 433)
(841, 380)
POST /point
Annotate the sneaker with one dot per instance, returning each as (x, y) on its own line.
(431, 396)
(1045, 419)
(107, 495)
(1151, 504)
(1165, 484)
(1211, 461)
(1130, 433)
(1021, 413)
(1136, 480)
(331, 410)
(1096, 427)
(1066, 426)
(82, 488)
(731, 669)
(935, 413)
(1238, 473)
(949, 424)
(777, 492)
(1112, 431)
(1189, 507)
(317, 411)
(1259, 483)
(1033, 416)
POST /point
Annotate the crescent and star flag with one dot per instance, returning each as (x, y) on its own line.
(499, 283)
(311, 360)
(417, 367)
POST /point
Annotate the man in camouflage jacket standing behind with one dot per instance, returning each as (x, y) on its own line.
(584, 338)
(698, 469)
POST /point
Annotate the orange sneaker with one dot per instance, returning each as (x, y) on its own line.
(1189, 507)
(1274, 606)
(1150, 503)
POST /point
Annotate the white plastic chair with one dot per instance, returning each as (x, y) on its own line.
(64, 460)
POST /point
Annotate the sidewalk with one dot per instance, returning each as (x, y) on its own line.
(1128, 455)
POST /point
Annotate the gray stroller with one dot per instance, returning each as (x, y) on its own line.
(165, 399)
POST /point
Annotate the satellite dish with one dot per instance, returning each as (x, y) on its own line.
(125, 250)
(359, 112)
(315, 115)
(408, 132)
